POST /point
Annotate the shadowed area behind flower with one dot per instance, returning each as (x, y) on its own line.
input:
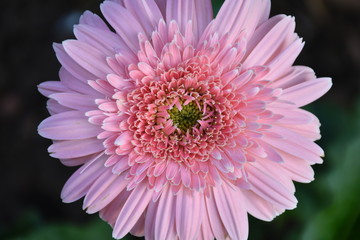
(327, 209)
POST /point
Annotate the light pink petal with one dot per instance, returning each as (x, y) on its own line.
(236, 16)
(93, 20)
(75, 84)
(307, 92)
(88, 57)
(71, 65)
(258, 207)
(118, 82)
(293, 117)
(206, 232)
(77, 161)
(269, 40)
(298, 140)
(132, 210)
(124, 138)
(150, 219)
(199, 12)
(75, 101)
(105, 189)
(280, 64)
(179, 11)
(271, 153)
(310, 130)
(293, 76)
(232, 211)
(51, 87)
(297, 169)
(203, 15)
(112, 210)
(139, 230)
(75, 148)
(105, 41)
(164, 222)
(54, 107)
(128, 28)
(67, 126)
(216, 223)
(293, 149)
(79, 183)
(146, 12)
(189, 206)
(276, 172)
(268, 188)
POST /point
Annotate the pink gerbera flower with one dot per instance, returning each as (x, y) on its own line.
(183, 124)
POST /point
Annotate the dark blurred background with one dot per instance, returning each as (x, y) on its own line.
(31, 181)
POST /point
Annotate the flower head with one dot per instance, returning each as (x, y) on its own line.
(183, 124)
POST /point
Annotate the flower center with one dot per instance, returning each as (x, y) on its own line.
(187, 117)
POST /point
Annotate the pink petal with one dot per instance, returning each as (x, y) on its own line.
(189, 206)
(128, 28)
(75, 101)
(269, 39)
(233, 215)
(70, 65)
(236, 16)
(103, 191)
(75, 148)
(258, 207)
(51, 87)
(104, 40)
(307, 92)
(91, 19)
(87, 57)
(164, 222)
(132, 210)
(112, 210)
(75, 84)
(293, 149)
(270, 189)
(298, 169)
(147, 13)
(216, 223)
(67, 126)
(139, 230)
(79, 183)
(54, 107)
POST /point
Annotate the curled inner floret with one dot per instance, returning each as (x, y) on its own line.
(181, 117)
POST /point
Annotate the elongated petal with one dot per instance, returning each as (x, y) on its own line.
(75, 148)
(188, 214)
(267, 42)
(71, 65)
(132, 210)
(75, 101)
(68, 125)
(91, 19)
(51, 87)
(307, 92)
(165, 216)
(79, 183)
(103, 191)
(128, 28)
(233, 215)
(269, 189)
(87, 57)
(236, 16)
